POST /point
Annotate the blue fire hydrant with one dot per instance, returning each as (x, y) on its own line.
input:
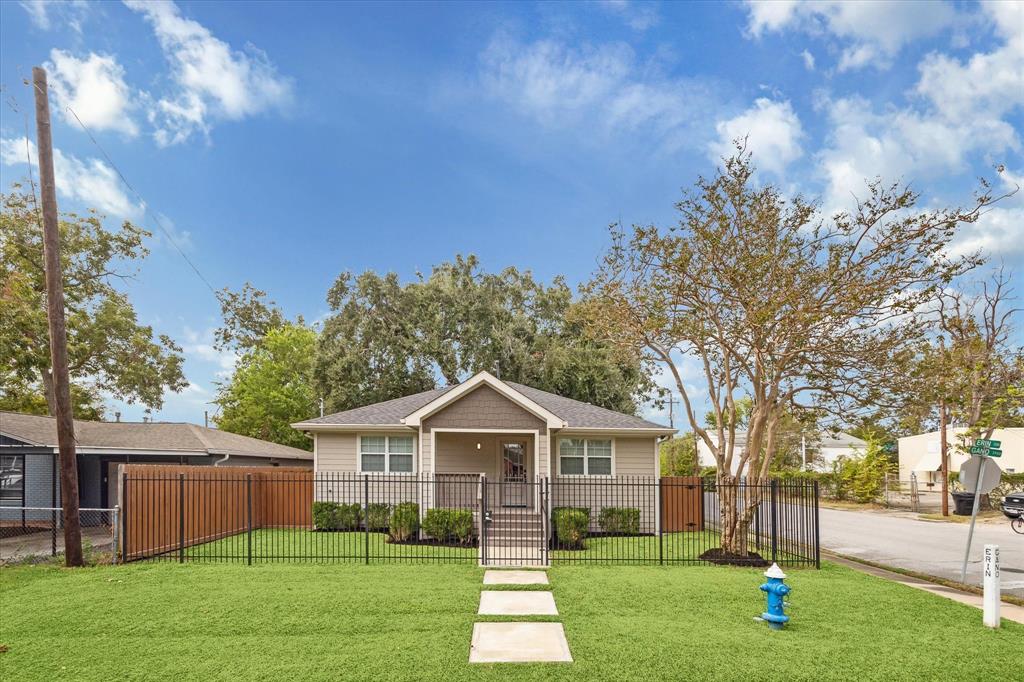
(776, 590)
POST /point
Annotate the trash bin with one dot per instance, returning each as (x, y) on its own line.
(964, 503)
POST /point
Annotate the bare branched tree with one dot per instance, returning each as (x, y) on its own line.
(775, 301)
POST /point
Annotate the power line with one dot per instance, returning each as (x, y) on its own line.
(153, 215)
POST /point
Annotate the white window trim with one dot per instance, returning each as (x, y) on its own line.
(387, 453)
(586, 456)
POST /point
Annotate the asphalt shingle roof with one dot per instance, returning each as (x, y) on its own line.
(177, 436)
(575, 413)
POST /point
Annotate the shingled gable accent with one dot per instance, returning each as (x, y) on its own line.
(552, 420)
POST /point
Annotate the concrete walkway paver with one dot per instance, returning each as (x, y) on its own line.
(519, 643)
(517, 603)
(515, 578)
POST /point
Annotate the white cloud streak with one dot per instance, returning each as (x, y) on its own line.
(595, 88)
(91, 182)
(94, 88)
(873, 32)
(212, 80)
(772, 131)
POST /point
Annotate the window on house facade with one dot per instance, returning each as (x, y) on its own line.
(584, 457)
(12, 480)
(386, 454)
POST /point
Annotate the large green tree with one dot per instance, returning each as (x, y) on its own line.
(386, 339)
(272, 387)
(775, 301)
(108, 350)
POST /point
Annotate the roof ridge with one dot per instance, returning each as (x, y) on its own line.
(195, 428)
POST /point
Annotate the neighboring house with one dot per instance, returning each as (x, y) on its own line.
(512, 434)
(921, 454)
(30, 477)
(829, 446)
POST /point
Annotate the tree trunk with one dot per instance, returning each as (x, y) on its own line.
(735, 513)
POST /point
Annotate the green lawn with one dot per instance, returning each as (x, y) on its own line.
(270, 544)
(293, 543)
(413, 622)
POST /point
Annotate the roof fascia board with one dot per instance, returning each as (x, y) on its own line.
(352, 427)
(552, 420)
(620, 431)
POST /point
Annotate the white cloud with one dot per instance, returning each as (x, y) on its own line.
(988, 85)
(594, 88)
(91, 182)
(44, 12)
(639, 16)
(808, 60)
(213, 80)
(958, 111)
(198, 346)
(873, 32)
(773, 133)
(998, 231)
(94, 87)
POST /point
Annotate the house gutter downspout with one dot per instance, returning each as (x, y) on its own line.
(222, 460)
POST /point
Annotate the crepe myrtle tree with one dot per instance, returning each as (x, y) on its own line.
(775, 301)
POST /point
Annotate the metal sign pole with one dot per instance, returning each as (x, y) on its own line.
(974, 516)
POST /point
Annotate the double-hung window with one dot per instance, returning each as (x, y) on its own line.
(585, 457)
(385, 454)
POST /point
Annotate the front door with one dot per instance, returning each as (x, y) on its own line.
(514, 489)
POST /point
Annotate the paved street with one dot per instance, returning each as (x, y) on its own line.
(931, 547)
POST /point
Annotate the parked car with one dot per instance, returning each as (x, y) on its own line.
(1013, 505)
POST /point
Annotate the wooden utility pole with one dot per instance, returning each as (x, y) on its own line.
(58, 333)
(945, 457)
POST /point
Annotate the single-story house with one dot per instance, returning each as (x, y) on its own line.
(921, 455)
(486, 429)
(29, 470)
(830, 446)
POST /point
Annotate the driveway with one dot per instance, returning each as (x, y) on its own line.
(930, 547)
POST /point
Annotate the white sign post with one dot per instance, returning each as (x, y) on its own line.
(991, 590)
(979, 475)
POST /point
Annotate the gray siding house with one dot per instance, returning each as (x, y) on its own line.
(29, 475)
(504, 431)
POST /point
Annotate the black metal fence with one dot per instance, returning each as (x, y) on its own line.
(301, 516)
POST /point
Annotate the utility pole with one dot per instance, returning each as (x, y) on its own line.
(945, 457)
(58, 332)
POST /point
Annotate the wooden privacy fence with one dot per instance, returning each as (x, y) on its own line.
(165, 509)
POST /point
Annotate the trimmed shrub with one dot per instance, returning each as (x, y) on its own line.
(378, 515)
(404, 521)
(349, 516)
(324, 515)
(449, 524)
(334, 516)
(571, 524)
(620, 520)
(462, 526)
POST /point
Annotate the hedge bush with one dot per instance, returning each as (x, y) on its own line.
(404, 522)
(378, 515)
(571, 524)
(334, 516)
(620, 520)
(449, 524)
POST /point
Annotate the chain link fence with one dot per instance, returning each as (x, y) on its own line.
(36, 534)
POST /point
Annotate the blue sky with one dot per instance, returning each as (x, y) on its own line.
(283, 143)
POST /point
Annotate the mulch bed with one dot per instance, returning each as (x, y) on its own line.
(720, 556)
